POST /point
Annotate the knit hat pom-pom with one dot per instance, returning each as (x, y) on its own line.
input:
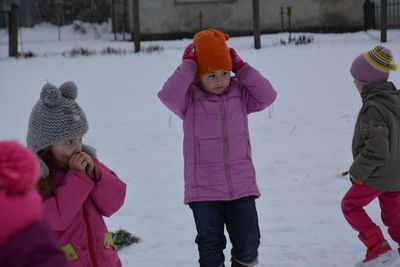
(50, 95)
(19, 167)
(226, 36)
(69, 90)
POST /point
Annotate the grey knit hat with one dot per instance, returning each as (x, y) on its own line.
(55, 117)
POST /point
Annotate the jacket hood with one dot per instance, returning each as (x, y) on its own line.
(384, 93)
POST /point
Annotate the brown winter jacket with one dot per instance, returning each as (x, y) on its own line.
(376, 139)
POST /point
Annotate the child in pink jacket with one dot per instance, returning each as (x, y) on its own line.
(220, 180)
(77, 189)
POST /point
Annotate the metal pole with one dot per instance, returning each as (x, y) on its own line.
(383, 21)
(13, 31)
(136, 26)
(58, 13)
(289, 13)
(256, 24)
(282, 13)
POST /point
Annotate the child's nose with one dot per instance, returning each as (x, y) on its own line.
(77, 148)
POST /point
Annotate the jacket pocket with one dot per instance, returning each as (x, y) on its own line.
(109, 242)
(70, 252)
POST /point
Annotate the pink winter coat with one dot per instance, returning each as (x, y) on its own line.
(216, 145)
(25, 239)
(75, 215)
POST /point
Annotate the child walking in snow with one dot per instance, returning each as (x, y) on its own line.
(220, 180)
(77, 189)
(375, 171)
(25, 238)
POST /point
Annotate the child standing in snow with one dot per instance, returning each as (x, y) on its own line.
(25, 239)
(220, 181)
(76, 187)
(375, 171)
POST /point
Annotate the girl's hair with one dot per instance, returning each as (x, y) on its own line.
(47, 185)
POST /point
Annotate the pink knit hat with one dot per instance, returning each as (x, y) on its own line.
(20, 203)
(373, 66)
(19, 168)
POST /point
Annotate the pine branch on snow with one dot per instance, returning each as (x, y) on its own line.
(123, 238)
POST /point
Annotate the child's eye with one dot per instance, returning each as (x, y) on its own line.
(69, 142)
(211, 76)
(226, 73)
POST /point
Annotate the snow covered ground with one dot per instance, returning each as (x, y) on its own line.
(300, 145)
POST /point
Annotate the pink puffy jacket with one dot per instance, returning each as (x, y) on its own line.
(216, 145)
(75, 215)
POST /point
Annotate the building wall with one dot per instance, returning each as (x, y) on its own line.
(26, 12)
(235, 16)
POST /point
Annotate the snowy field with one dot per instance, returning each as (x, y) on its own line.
(300, 145)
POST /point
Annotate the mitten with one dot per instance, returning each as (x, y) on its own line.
(189, 53)
(356, 181)
(237, 62)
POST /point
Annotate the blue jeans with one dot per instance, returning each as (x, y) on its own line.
(241, 220)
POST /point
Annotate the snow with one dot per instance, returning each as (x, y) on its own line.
(301, 144)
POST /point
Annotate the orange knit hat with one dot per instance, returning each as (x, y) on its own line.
(211, 51)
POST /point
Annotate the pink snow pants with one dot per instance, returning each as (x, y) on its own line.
(360, 196)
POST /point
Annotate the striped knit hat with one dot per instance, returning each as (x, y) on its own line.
(373, 66)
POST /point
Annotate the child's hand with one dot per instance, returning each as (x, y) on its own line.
(189, 53)
(81, 161)
(356, 181)
(90, 166)
(237, 62)
(78, 162)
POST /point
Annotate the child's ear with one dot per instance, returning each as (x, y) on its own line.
(50, 95)
(69, 90)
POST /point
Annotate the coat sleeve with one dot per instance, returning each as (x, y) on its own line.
(375, 151)
(258, 91)
(174, 92)
(61, 209)
(109, 191)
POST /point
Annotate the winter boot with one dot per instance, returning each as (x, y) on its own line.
(389, 259)
(374, 241)
(236, 263)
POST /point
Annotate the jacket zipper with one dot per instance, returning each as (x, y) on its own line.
(225, 143)
(90, 239)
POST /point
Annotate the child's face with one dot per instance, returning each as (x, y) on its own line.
(216, 82)
(63, 150)
(359, 86)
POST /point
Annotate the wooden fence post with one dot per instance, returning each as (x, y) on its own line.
(13, 31)
(383, 21)
(256, 24)
(136, 26)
